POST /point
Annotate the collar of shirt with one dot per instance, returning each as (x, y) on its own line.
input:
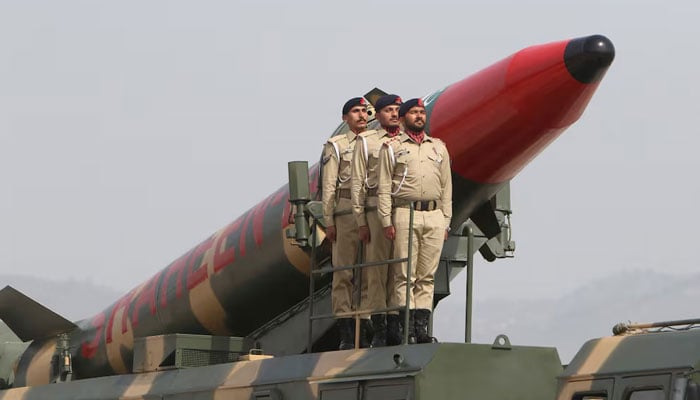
(350, 136)
(384, 133)
(405, 137)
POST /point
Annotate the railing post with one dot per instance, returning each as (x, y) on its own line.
(311, 284)
(407, 310)
(357, 290)
(469, 286)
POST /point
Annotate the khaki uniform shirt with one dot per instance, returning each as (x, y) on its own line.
(410, 171)
(336, 163)
(365, 169)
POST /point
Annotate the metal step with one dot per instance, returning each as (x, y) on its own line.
(287, 333)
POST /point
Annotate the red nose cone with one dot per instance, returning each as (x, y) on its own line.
(497, 120)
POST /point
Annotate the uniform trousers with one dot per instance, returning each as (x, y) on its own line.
(378, 249)
(428, 239)
(345, 250)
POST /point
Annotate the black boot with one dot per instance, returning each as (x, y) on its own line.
(393, 332)
(365, 333)
(346, 329)
(422, 321)
(411, 326)
(379, 324)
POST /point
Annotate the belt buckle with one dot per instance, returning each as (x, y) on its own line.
(425, 205)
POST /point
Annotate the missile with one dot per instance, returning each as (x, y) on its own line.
(494, 123)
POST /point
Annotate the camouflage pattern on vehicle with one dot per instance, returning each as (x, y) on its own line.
(636, 364)
(429, 371)
(206, 326)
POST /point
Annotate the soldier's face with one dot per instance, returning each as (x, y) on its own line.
(356, 118)
(389, 116)
(415, 119)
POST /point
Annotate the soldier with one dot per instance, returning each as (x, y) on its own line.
(414, 170)
(341, 228)
(365, 162)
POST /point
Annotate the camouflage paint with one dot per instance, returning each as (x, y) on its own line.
(423, 372)
(208, 290)
(616, 365)
(493, 123)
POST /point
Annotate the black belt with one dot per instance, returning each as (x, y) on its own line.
(343, 193)
(420, 205)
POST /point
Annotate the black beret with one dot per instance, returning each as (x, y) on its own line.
(409, 104)
(387, 100)
(355, 101)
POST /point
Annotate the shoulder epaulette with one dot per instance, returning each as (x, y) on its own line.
(368, 133)
(333, 141)
(437, 140)
(336, 138)
(440, 142)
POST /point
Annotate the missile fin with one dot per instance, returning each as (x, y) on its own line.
(28, 319)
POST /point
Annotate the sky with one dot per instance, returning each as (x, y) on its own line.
(130, 131)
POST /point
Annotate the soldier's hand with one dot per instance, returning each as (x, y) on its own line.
(390, 232)
(364, 234)
(447, 234)
(330, 233)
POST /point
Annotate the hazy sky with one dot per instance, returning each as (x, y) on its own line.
(131, 130)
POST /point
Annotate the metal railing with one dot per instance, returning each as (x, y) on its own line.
(358, 267)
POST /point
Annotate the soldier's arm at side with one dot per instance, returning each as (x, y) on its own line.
(358, 191)
(329, 163)
(384, 186)
(446, 181)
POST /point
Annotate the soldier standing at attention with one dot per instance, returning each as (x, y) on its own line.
(341, 227)
(365, 168)
(414, 170)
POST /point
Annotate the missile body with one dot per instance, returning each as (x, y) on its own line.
(493, 122)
